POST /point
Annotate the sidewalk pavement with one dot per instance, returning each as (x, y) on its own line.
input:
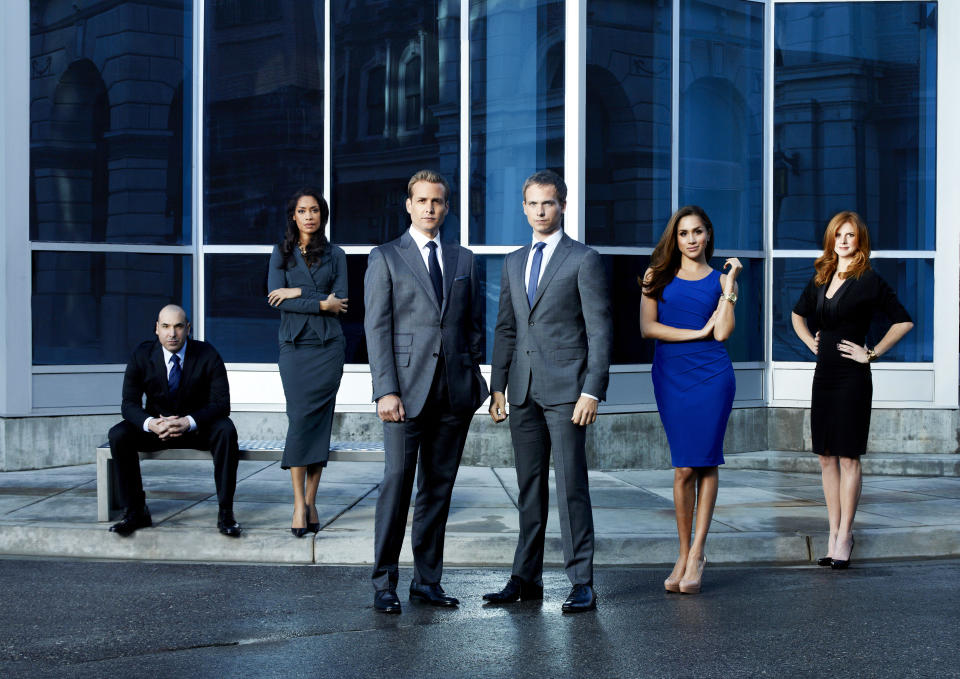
(761, 517)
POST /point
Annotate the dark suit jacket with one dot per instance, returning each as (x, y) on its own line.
(564, 338)
(406, 328)
(204, 392)
(329, 276)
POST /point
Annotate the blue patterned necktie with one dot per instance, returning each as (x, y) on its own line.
(433, 265)
(173, 379)
(535, 272)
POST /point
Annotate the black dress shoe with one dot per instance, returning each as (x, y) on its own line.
(131, 521)
(227, 524)
(581, 599)
(300, 532)
(843, 564)
(825, 561)
(313, 527)
(432, 594)
(515, 590)
(386, 601)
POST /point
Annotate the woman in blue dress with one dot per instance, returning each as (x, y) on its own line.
(688, 308)
(308, 283)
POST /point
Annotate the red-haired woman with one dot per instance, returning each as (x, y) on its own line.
(840, 301)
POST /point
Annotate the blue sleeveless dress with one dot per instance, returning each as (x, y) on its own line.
(693, 381)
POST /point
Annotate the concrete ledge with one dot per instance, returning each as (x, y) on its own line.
(462, 549)
(882, 464)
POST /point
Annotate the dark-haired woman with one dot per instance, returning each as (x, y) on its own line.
(308, 283)
(688, 308)
(841, 300)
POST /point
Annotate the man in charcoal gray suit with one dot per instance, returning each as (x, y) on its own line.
(424, 336)
(552, 348)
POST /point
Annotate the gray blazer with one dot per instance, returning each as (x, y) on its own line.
(329, 276)
(406, 328)
(564, 338)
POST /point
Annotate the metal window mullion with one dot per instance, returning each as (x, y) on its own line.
(199, 298)
(574, 115)
(675, 108)
(464, 122)
(40, 246)
(328, 116)
(768, 83)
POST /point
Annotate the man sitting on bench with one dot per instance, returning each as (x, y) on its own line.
(188, 401)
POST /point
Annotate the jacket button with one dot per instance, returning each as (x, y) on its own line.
(531, 324)
(436, 355)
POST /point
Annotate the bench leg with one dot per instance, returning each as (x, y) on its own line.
(106, 487)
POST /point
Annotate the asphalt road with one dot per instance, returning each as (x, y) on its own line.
(133, 619)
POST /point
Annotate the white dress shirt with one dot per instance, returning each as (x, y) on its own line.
(551, 245)
(167, 356)
(421, 242)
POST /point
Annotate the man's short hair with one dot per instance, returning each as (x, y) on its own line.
(547, 178)
(431, 177)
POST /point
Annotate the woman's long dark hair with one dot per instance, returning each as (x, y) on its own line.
(291, 238)
(665, 260)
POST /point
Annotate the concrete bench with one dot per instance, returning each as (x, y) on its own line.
(250, 449)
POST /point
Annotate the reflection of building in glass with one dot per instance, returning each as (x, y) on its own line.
(397, 73)
(263, 115)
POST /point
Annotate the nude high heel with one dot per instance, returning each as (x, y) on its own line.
(693, 586)
(672, 585)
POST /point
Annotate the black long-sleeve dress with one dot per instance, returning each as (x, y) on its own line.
(842, 387)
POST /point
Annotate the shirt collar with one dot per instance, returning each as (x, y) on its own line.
(551, 240)
(422, 240)
(167, 354)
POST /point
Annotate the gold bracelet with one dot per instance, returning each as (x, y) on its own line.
(730, 297)
(871, 356)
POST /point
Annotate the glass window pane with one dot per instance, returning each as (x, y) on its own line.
(244, 328)
(746, 344)
(396, 66)
(911, 278)
(721, 115)
(263, 108)
(489, 270)
(855, 121)
(110, 112)
(95, 307)
(516, 99)
(628, 122)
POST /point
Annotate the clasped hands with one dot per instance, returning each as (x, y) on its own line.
(333, 304)
(169, 426)
(584, 412)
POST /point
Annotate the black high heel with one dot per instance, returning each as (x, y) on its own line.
(300, 532)
(313, 527)
(842, 564)
(825, 561)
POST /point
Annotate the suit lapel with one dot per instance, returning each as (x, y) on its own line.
(560, 254)
(451, 253)
(156, 360)
(411, 255)
(301, 263)
(519, 285)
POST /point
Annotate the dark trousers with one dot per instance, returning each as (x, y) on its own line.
(219, 437)
(536, 431)
(431, 445)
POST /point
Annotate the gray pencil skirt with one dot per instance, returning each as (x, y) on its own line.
(311, 376)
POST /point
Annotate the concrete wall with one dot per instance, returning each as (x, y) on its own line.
(627, 441)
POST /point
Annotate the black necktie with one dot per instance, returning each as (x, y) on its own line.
(433, 264)
(173, 379)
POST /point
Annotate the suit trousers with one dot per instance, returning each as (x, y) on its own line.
(219, 437)
(536, 431)
(431, 445)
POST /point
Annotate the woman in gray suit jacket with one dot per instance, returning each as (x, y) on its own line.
(308, 283)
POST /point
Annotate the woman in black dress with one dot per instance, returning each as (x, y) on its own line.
(840, 301)
(308, 283)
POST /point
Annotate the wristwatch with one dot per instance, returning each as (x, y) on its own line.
(730, 297)
(871, 355)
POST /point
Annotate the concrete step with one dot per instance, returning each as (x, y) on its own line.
(882, 464)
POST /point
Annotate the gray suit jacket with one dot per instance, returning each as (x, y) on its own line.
(406, 328)
(329, 276)
(564, 338)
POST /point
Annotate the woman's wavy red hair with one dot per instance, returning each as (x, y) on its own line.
(826, 264)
